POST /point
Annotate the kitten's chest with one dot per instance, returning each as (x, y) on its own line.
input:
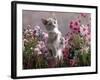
(54, 37)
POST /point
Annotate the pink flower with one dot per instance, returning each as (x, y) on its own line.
(83, 14)
(88, 39)
(65, 53)
(75, 26)
(41, 43)
(36, 27)
(84, 30)
(44, 37)
(37, 50)
(38, 46)
(25, 41)
(37, 30)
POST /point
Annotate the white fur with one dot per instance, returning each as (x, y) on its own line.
(57, 45)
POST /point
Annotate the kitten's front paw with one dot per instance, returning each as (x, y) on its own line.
(62, 42)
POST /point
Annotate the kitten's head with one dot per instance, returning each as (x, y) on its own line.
(50, 23)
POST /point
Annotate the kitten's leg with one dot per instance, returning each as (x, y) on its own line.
(54, 52)
(60, 58)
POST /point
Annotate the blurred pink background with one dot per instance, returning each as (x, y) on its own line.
(33, 18)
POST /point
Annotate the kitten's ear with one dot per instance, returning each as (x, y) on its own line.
(54, 16)
(44, 21)
(55, 20)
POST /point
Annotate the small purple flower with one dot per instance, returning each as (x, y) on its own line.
(37, 50)
(44, 37)
(84, 30)
(36, 31)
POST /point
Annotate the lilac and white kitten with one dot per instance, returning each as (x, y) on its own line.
(55, 41)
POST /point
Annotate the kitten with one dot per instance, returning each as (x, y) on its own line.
(55, 41)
